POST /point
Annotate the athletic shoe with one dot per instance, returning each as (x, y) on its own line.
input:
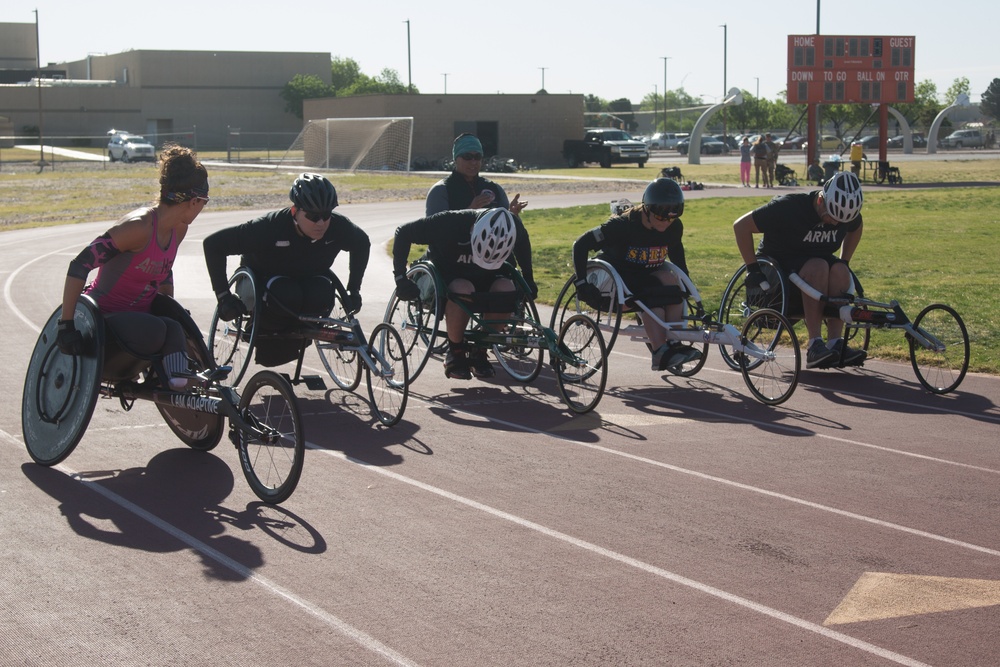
(819, 355)
(851, 357)
(481, 366)
(691, 354)
(456, 363)
(672, 354)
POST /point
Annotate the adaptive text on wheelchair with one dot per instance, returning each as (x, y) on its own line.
(340, 342)
(577, 352)
(765, 344)
(937, 338)
(61, 392)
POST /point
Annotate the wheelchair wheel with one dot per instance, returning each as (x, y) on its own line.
(232, 343)
(389, 382)
(737, 305)
(344, 366)
(417, 321)
(522, 356)
(771, 366)
(580, 363)
(197, 430)
(273, 455)
(61, 391)
(940, 369)
(609, 319)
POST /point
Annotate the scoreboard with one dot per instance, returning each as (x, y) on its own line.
(850, 69)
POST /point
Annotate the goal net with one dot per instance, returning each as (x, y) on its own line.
(352, 144)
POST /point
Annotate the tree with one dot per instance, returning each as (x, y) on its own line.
(345, 72)
(593, 103)
(959, 87)
(989, 102)
(386, 83)
(303, 87)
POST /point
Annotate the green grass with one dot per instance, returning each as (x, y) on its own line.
(919, 247)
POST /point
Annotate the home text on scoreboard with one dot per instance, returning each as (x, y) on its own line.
(850, 69)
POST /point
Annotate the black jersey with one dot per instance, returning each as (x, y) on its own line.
(448, 236)
(791, 227)
(271, 246)
(630, 246)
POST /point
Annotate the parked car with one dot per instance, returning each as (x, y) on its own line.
(665, 140)
(827, 142)
(789, 143)
(130, 148)
(606, 146)
(963, 139)
(919, 141)
(709, 146)
(730, 142)
(869, 141)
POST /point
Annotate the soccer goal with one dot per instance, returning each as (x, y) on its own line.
(353, 144)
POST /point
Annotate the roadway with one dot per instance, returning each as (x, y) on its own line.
(681, 523)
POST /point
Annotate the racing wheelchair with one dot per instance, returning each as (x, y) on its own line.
(340, 342)
(61, 392)
(577, 353)
(937, 338)
(764, 343)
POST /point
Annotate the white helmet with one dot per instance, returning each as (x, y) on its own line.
(493, 237)
(843, 197)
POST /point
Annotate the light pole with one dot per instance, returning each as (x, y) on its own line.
(38, 80)
(655, 109)
(409, 62)
(725, 59)
(445, 75)
(543, 77)
(756, 100)
(665, 59)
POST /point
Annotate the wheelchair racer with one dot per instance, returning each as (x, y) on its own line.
(291, 252)
(134, 261)
(468, 248)
(637, 243)
(801, 232)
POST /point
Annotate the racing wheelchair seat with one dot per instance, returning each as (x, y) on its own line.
(61, 391)
(781, 295)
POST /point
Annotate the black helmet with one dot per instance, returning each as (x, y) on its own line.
(664, 198)
(312, 192)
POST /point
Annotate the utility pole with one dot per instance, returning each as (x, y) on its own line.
(38, 80)
(409, 61)
(665, 59)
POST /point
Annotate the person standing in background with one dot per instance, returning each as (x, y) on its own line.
(465, 188)
(745, 151)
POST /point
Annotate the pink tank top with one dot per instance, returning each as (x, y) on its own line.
(130, 281)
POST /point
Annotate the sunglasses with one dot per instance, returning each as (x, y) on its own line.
(316, 216)
(471, 156)
(203, 199)
(665, 212)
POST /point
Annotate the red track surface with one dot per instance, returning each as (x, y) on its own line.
(682, 523)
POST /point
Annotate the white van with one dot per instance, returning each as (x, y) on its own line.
(665, 140)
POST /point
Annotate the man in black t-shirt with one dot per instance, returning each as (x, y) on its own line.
(801, 232)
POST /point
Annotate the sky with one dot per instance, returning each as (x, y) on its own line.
(514, 46)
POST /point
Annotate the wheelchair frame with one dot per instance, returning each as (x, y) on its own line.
(61, 392)
(340, 342)
(938, 339)
(577, 353)
(770, 359)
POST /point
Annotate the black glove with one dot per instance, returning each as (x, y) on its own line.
(353, 301)
(532, 288)
(68, 339)
(755, 279)
(231, 307)
(589, 293)
(406, 289)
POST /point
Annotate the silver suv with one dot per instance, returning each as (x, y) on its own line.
(130, 148)
(963, 139)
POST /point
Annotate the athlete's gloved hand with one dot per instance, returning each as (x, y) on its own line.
(231, 307)
(353, 301)
(68, 339)
(755, 279)
(589, 293)
(406, 289)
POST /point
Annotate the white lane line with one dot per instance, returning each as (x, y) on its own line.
(9, 298)
(638, 564)
(799, 431)
(365, 640)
